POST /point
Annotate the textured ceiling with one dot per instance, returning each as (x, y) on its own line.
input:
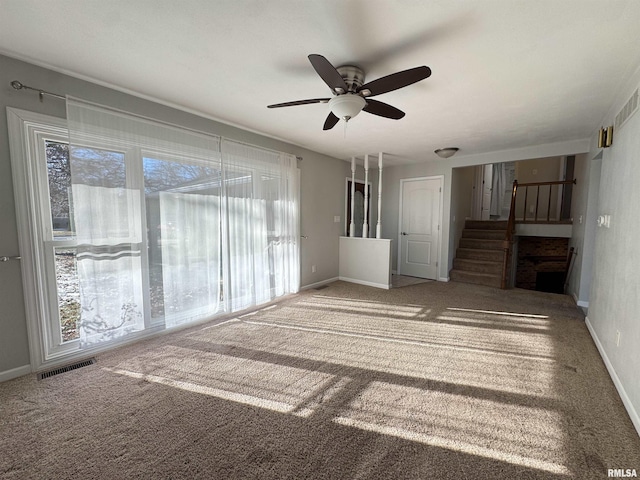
(506, 73)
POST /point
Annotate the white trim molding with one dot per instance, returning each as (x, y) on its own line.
(319, 284)
(633, 414)
(23, 128)
(15, 373)
(364, 282)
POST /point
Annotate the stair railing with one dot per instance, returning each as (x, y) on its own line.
(537, 186)
(511, 223)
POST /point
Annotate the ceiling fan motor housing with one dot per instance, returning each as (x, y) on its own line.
(353, 76)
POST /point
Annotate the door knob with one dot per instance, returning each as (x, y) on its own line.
(405, 233)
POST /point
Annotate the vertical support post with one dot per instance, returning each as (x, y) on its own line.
(379, 225)
(365, 224)
(352, 225)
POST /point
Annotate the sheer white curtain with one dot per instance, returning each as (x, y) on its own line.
(262, 198)
(146, 209)
(172, 226)
(191, 264)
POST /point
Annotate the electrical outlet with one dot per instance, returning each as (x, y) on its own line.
(336, 219)
(313, 269)
(617, 338)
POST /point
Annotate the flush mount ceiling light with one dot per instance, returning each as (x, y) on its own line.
(446, 152)
(347, 106)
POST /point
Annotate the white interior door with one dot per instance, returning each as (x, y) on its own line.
(420, 201)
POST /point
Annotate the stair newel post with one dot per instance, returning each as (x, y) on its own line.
(379, 225)
(508, 240)
(365, 224)
(352, 225)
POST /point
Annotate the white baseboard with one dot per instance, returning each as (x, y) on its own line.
(444, 279)
(15, 373)
(364, 282)
(580, 303)
(635, 418)
(319, 284)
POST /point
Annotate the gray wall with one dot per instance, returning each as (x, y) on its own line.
(614, 301)
(322, 187)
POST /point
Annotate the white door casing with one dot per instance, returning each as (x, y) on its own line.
(420, 221)
(487, 183)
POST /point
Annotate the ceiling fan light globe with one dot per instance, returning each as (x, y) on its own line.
(347, 106)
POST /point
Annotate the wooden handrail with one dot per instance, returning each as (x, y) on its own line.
(539, 184)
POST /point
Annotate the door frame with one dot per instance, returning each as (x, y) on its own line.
(440, 226)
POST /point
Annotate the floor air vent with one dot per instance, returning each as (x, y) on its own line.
(629, 109)
(67, 368)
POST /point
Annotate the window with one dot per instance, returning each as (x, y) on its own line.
(131, 236)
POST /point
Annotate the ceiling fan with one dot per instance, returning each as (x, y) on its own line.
(352, 95)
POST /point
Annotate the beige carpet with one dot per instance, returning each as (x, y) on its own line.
(431, 381)
(399, 281)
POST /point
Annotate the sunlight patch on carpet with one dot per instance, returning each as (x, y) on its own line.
(214, 392)
(462, 423)
(492, 312)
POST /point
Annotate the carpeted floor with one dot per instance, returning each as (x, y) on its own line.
(430, 381)
(399, 281)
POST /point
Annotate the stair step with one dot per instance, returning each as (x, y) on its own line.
(479, 266)
(491, 234)
(479, 254)
(486, 224)
(475, 277)
(484, 244)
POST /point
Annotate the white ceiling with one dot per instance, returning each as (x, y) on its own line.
(506, 73)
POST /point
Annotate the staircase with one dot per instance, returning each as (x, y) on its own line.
(480, 255)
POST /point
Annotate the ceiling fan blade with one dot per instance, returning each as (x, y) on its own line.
(328, 73)
(299, 102)
(382, 109)
(330, 122)
(395, 81)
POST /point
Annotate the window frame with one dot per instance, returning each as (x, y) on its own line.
(28, 134)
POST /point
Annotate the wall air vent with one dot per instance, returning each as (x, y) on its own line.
(629, 109)
(67, 368)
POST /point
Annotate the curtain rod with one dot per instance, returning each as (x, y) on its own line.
(19, 86)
